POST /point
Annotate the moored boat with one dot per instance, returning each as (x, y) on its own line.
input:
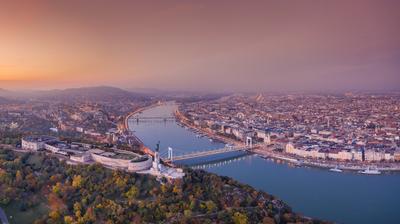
(336, 169)
(298, 163)
(373, 171)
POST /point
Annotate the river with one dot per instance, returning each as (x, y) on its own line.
(340, 197)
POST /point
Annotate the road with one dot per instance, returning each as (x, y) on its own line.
(3, 217)
(327, 164)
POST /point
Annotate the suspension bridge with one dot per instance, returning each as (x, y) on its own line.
(197, 154)
(221, 162)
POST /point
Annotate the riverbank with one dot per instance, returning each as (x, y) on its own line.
(267, 152)
(213, 195)
(184, 121)
(139, 110)
(145, 149)
(311, 191)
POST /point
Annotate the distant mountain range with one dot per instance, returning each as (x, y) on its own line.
(5, 93)
(7, 96)
(98, 93)
(106, 93)
(4, 101)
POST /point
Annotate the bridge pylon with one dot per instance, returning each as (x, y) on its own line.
(249, 141)
(170, 154)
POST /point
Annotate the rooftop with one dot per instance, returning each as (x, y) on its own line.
(39, 138)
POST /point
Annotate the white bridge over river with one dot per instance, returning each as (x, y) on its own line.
(197, 154)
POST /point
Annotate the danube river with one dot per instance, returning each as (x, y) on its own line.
(340, 197)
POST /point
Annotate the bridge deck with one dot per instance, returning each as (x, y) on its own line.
(155, 117)
(207, 153)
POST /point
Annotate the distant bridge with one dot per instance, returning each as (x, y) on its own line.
(155, 117)
(198, 154)
(163, 118)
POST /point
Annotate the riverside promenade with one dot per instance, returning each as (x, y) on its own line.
(185, 121)
(145, 149)
(266, 151)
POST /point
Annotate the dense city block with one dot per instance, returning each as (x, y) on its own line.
(348, 127)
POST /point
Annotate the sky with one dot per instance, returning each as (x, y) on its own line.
(202, 45)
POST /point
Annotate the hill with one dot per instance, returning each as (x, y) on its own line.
(5, 93)
(94, 194)
(99, 93)
(3, 100)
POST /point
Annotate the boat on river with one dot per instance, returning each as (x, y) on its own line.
(370, 171)
(298, 163)
(336, 169)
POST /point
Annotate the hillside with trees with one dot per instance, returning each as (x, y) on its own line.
(94, 194)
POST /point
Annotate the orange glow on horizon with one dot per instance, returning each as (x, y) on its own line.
(202, 45)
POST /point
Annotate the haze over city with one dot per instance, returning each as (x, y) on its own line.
(212, 111)
(201, 45)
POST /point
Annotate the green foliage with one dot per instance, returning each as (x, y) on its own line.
(132, 193)
(239, 218)
(10, 137)
(211, 207)
(94, 194)
(77, 181)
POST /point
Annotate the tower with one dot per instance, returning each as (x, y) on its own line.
(156, 162)
(328, 122)
(249, 141)
(268, 138)
(170, 153)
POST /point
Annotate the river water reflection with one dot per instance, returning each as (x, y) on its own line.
(340, 197)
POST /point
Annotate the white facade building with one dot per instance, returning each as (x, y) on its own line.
(121, 160)
(81, 158)
(35, 143)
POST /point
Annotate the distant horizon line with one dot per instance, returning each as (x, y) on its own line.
(171, 90)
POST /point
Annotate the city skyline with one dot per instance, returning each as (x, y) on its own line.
(202, 46)
(187, 111)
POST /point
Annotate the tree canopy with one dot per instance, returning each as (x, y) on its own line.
(94, 194)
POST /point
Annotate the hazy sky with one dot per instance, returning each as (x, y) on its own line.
(201, 45)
